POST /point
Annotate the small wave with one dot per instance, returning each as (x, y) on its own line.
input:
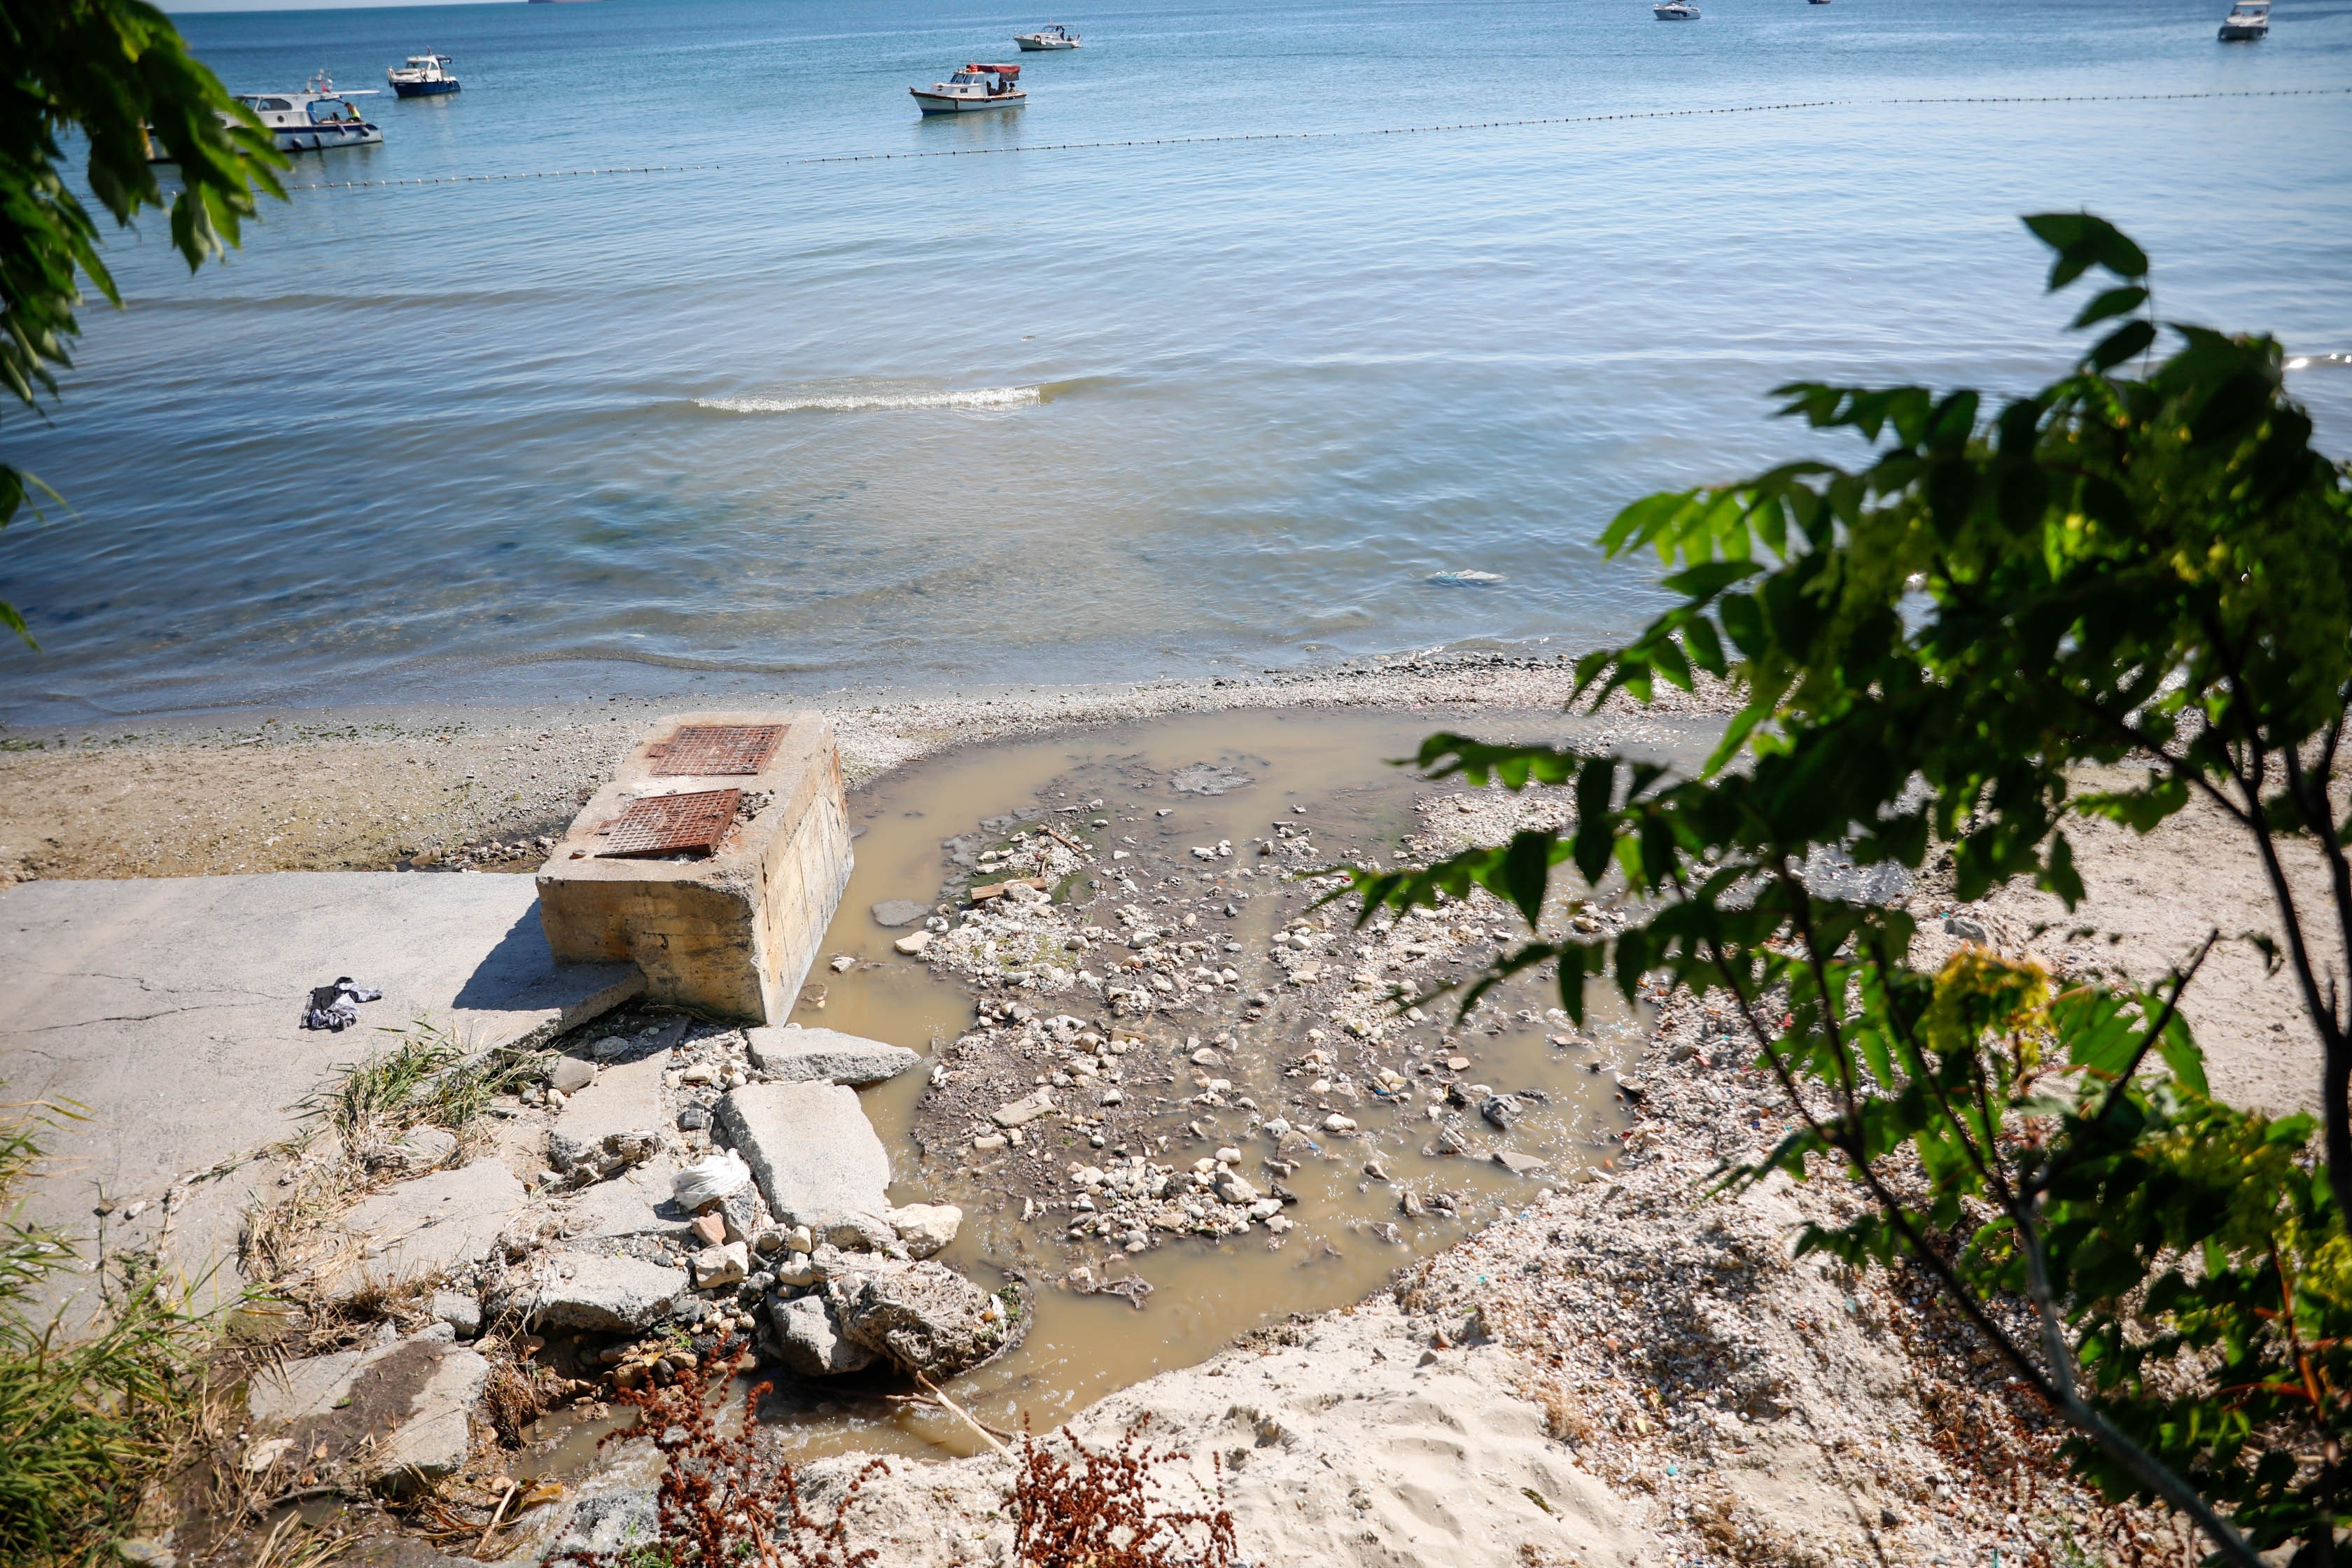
(985, 397)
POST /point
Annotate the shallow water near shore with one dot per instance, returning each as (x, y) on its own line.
(944, 412)
(1204, 1294)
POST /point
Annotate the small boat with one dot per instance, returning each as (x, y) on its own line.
(1675, 11)
(425, 76)
(2247, 20)
(314, 119)
(975, 87)
(1056, 37)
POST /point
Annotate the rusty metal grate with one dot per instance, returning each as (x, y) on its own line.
(706, 749)
(658, 825)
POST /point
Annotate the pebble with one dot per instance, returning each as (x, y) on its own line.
(913, 943)
(1334, 1122)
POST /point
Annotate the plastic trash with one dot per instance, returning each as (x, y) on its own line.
(709, 1179)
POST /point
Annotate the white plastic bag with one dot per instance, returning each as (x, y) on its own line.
(709, 1179)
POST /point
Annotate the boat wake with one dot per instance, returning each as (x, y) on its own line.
(983, 398)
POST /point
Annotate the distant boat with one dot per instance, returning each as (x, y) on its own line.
(2247, 21)
(425, 76)
(1056, 37)
(1675, 11)
(975, 87)
(314, 119)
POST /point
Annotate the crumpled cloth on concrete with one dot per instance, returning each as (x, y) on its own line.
(332, 1006)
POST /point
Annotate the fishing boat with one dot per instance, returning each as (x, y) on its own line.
(2247, 21)
(425, 76)
(314, 119)
(1675, 11)
(1056, 37)
(975, 87)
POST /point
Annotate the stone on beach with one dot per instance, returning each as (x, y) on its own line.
(599, 1295)
(809, 1342)
(812, 1151)
(924, 1228)
(826, 1056)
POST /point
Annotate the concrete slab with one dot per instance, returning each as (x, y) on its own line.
(170, 1009)
(797, 1054)
(812, 1152)
(626, 1097)
(441, 1224)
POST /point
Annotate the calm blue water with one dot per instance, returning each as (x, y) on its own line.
(1085, 413)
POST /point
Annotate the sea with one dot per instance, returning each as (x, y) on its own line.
(680, 353)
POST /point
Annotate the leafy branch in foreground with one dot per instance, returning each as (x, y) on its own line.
(118, 72)
(2102, 600)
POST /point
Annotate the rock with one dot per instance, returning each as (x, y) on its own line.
(612, 1122)
(722, 1265)
(1207, 778)
(913, 943)
(798, 1269)
(1232, 1189)
(694, 1118)
(924, 1228)
(1451, 1142)
(148, 1553)
(861, 1232)
(572, 1075)
(598, 1295)
(891, 913)
(460, 1310)
(1022, 1110)
(843, 962)
(398, 1414)
(809, 1342)
(989, 1143)
(1967, 929)
(608, 1527)
(1502, 1110)
(1265, 1208)
(1385, 1231)
(812, 1151)
(710, 1229)
(1518, 1164)
(799, 1239)
(1457, 1064)
(441, 1224)
(1334, 1122)
(827, 1056)
(1632, 1088)
(927, 1318)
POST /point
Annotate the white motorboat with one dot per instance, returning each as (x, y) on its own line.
(2247, 20)
(425, 76)
(1675, 11)
(972, 87)
(1056, 37)
(314, 119)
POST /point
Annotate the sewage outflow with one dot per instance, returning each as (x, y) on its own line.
(1347, 1238)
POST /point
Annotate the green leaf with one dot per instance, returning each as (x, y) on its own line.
(2111, 302)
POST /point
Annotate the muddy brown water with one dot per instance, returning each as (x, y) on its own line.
(1204, 1292)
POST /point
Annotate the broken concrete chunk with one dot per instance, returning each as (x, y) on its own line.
(860, 1233)
(419, 1150)
(812, 1151)
(809, 1342)
(827, 1056)
(924, 1228)
(913, 943)
(460, 1310)
(600, 1295)
(1518, 1164)
(1502, 1110)
(398, 1414)
(440, 1224)
(893, 913)
(927, 1318)
(619, 1114)
(1023, 1111)
(613, 1526)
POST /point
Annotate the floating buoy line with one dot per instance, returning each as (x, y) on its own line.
(1342, 135)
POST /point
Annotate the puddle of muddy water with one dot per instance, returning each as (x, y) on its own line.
(1205, 1292)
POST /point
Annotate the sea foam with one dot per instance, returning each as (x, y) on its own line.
(984, 397)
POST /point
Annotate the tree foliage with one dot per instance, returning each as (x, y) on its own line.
(118, 75)
(2097, 601)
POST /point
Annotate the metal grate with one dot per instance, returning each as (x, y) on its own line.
(706, 749)
(659, 824)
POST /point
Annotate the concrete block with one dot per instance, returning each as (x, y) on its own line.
(440, 1224)
(732, 932)
(624, 1099)
(826, 1056)
(812, 1152)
